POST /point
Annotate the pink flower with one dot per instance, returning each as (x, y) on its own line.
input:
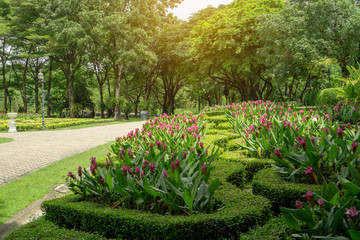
(165, 174)
(298, 204)
(79, 170)
(142, 174)
(309, 197)
(352, 214)
(339, 132)
(277, 153)
(152, 167)
(101, 181)
(204, 169)
(93, 169)
(71, 175)
(145, 163)
(137, 170)
(354, 146)
(309, 171)
(147, 153)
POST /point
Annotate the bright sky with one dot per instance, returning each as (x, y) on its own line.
(184, 10)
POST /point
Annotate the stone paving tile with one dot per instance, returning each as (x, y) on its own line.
(33, 150)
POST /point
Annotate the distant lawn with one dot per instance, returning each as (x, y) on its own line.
(20, 193)
(6, 140)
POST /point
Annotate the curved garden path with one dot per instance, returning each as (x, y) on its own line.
(33, 150)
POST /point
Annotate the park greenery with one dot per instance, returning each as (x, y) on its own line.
(274, 142)
(127, 56)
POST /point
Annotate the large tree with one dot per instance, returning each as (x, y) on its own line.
(226, 46)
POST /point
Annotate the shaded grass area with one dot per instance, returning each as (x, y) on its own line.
(20, 193)
(6, 140)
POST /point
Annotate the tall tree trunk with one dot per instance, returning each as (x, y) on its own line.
(36, 93)
(24, 85)
(102, 109)
(71, 94)
(4, 83)
(49, 89)
(118, 72)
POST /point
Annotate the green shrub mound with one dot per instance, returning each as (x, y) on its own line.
(42, 229)
(216, 113)
(281, 193)
(233, 145)
(328, 97)
(275, 229)
(217, 119)
(238, 212)
(251, 165)
(225, 125)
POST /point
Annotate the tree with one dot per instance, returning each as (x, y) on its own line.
(226, 46)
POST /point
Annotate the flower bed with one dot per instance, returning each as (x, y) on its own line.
(240, 211)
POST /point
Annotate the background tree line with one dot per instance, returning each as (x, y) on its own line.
(125, 56)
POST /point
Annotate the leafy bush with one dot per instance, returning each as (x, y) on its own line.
(329, 97)
(42, 229)
(329, 214)
(239, 211)
(280, 192)
(351, 91)
(275, 229)
(217, 119)
(251, 165)
(164, 169)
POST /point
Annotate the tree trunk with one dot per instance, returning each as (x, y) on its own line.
(24, 86)
(49, 89)
(118, 71)
(71, 95)
(102, 109)
(4, 82)
(37, 93)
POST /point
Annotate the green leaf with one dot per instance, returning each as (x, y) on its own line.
(290, 220)
(188, 200)
(355, 235)
(215, 184)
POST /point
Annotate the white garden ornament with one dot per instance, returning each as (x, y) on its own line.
(12, 123)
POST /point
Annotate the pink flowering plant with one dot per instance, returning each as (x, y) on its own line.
(296, 140)
(329, 214)
(152, 173)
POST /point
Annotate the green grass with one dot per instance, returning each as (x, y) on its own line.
(6, 140)
(20, 193)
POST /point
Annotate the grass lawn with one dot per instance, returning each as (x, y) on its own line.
(6, 140)
(20, 193)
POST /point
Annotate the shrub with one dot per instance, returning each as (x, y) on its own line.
(251, 165)
(217, 119)
(280, 192)
(328, 97)
(239, 211)
(275, 229)
(215, 113)
(42, 229)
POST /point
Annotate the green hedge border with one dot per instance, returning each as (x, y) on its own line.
(240, 212)
(251, 165)
(270, 185)
(42, 229)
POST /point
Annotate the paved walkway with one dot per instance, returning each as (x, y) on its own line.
(33, 150)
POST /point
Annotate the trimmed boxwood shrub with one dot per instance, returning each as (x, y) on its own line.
(225, 125)
(239, 211)
(215, 113)
(42, 229)
(275, 229)
(251, 165)
(233, 145)
(328, 97)
(217, 119)
(281, 193)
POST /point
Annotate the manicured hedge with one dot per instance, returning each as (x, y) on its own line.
(215, 113)
(251, 165)
(239, 211)
(225, 125)
(217, 119)
(275, 229)
(42, 229)
(280, 192)
(233, 145)
(328, 97)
